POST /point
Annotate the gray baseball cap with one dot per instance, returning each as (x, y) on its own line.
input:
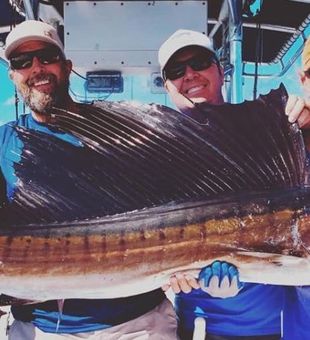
(179, 39)
(32, 30)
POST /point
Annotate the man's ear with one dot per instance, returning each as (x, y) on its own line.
(11, 74)
(68, 65)
(221, 70)
(165, 85)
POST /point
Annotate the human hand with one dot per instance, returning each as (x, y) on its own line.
(220, 279)
(2, 312)
(298, 109)
(181, 282)
(182, 103)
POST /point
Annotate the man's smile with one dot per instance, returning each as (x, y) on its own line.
(195, 89)
(42, 84)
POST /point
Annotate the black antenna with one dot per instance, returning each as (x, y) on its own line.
(258, 58)
(16, 104)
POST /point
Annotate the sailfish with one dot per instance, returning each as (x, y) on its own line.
(148, 191)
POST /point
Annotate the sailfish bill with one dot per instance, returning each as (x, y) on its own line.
(143, 191)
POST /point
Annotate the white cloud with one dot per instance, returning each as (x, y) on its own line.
(10, 101)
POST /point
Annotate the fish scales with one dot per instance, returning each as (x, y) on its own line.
(161, 248)
(160, 251)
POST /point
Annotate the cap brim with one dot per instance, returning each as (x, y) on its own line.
(13, 46)
(172, 52)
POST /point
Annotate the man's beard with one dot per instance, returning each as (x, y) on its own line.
(41, 102)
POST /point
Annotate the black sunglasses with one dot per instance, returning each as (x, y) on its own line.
(198, 62)
(307, 73)
(46, 56)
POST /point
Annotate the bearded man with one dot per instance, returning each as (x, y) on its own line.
(40, 71)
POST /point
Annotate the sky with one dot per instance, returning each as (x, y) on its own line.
(7, 108)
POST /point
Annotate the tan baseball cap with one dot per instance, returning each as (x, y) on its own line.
(31, 30)
(305, 57)
(179, 39)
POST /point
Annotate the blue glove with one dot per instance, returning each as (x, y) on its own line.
(220, 279)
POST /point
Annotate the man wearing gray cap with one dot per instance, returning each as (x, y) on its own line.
(182, 57)
(40, 71)
(192, 74)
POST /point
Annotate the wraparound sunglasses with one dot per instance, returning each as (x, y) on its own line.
(46, 56)
(198, 62)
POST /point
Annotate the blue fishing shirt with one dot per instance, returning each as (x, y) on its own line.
(78, 315)
(296, 313)
(256, 310)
